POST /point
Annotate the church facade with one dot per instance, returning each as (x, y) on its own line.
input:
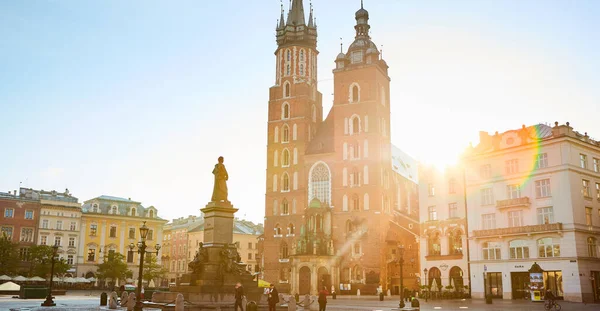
(336, 210)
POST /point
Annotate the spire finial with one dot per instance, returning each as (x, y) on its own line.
(341, 45)
(361, 4)
(381, 54)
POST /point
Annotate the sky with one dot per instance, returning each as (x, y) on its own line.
(138, 98)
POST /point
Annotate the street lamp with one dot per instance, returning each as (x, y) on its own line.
(49, 302)
(141, 245)
(426, 285)
(401, 263)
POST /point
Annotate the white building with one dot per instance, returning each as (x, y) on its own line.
(533, 195)
(59, 223)
(443, 229)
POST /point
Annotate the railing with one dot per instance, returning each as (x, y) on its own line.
(518, 230)
(523, 201)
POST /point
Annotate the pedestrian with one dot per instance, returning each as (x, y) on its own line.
(239, 295)
(323, 299)
(273, 298)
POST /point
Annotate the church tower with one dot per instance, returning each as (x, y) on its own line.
(295, 112)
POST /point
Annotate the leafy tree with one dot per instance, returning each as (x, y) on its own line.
(40, 257)
(152, 269)
(9, 257)
(114, 267)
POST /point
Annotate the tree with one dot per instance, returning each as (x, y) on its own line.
(40, 257)
(152, 269)
(9, 257)
(114, 267)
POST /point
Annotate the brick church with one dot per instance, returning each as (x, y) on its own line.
(336, 208)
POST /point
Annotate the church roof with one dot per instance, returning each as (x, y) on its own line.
(323, 142)
(296, 14)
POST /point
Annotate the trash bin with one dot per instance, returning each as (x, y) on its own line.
(334, 295)
(380, 296)
(415, 303)
(103, 299)
(251, 306)
(297, 297)
(488, 299)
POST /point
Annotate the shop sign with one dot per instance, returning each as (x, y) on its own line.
(519, 266)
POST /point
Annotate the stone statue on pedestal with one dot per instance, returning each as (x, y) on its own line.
(197, 265)
(220, 189)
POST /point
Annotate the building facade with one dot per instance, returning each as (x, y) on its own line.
(59, 223)
(533, 195)
(177, 253)
(330, 192)
(20, 216)
(443, 229)
(111, 224)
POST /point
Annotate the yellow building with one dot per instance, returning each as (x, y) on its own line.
(110, 224)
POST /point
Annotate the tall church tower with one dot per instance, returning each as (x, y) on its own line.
(295, 112)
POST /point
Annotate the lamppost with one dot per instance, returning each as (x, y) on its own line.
(426, 285)
(401, 263)
(141, 245)
(49, 302)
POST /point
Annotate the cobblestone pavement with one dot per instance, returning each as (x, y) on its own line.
(365, 303)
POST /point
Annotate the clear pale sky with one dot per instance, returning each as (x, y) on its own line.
(139, 98)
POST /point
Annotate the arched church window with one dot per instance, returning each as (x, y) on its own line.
(286, 87)
(276, 135)
(355, 203)
(320, 183)
(284, 251)
(301, 69)
(354, 93)
(274, 207)
(285, 135)
(354, 125)
(285, 111)
(302, 55)
(285, 208)
(285, 158)
(314, 113)
(288, 69)
(291, 229)
(285, 182)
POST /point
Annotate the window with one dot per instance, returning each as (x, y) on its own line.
(545, 215)
(285, 111)
(485, 171)
(355, 93)
(70, 260)
(58, 240)
(24, 254)
(113, 232)
(455, 241)
(320, 183)
(548, 247)
(512, 166)
(93, 229)
(357, 57)
(91, 254)
(488, 221)
(487, 197)
(354, 178)
(585, 188)
(431, 190)
(28, 214)
(432, 213)
(433, 244)
(285, 209)
(452, 210)
(249, 256)
(513, 191)
(150, 235)
(285, 158)
(452, 186)
(542, 188)
(133, 211)
(491, 251)
(130, 256)
(598, 191)
(285, 134)
(357, 248)
(518, 249)
(73, 226)
(541, 160)
(592, 247)
(113, 210)
(355, 203)
(249, 245)
(583, 160)
(285, 183)
(588, 216)
(44, 240)
(277, 230)
(26, 235)
(596, 163)
(515, 219)
(45, 224)
(291, 229)
(354, 125)
(95, 208)
(59, 225)
(151, 214)
(9, 212)
(286, 87)
(72, 242)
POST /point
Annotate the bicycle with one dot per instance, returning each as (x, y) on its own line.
(548, 305)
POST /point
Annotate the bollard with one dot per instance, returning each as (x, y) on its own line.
(334, 295)
(297, 296)
(292, 305)
(380, 296)
(103, 298)
(179, 302)
(131, 302)
(112, 302)
(252, 306)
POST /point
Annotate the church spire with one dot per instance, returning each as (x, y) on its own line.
(281, 22)
(296, 15)
(311, 22)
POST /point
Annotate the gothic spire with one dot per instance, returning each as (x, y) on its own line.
(281, 22)
(296, 15)
(311, 23)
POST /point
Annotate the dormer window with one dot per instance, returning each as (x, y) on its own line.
(133, 211)
(95, 208)
(357, 57)
(151, 214)
(113, 210)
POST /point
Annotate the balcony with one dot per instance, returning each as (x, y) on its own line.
(517, 202)
(517, 230)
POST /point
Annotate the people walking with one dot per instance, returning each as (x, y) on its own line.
(323, 299)
(273, 298)
(239, 296)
